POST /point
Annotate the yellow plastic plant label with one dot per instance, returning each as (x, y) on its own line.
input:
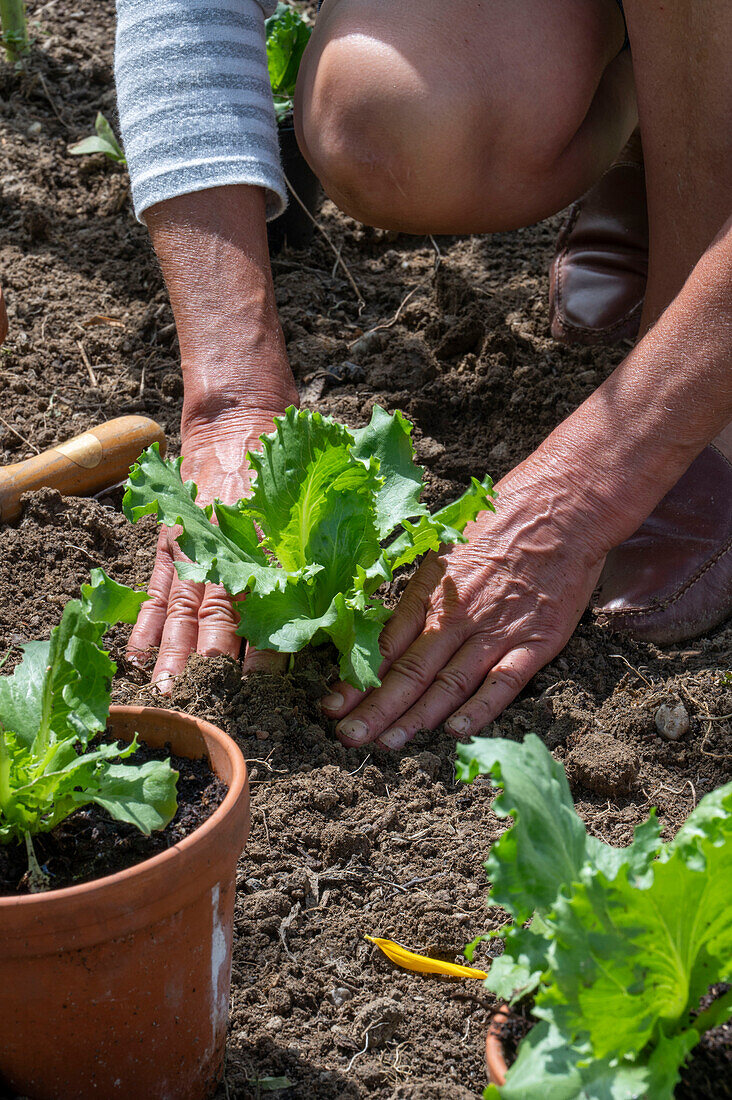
(423, 964)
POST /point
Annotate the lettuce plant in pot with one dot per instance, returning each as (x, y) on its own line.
(287, 36)
(623, 946)
(116, 986)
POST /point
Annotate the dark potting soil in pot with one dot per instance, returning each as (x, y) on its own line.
(707, 1075)
(90, 844)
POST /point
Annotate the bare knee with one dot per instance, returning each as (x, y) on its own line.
(408, 134)
(382, 146)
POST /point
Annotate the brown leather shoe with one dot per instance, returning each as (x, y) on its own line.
(672, 579)
(598, 278)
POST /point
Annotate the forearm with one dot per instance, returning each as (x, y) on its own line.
(632, 439)
(212, 247)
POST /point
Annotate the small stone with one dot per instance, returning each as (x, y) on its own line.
(340, 995)
(262, 735)
(672, 722)
(34, 129)
(274, 1023)
(366, 344)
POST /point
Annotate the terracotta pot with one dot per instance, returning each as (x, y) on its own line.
(120, 987)
(494, 1058)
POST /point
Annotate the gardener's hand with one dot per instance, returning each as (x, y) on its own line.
(477, 621)
(212, 247)
(181, 616)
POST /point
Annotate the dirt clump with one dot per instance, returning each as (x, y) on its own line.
(603, 765)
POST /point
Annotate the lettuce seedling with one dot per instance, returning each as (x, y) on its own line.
(52, 708)
(326, 498)
(287, 35)
(103, 140)
(623, 944)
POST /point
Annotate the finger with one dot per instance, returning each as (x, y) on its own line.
(217, 623)
(401, 630)
(451, 687)
(179, 633)
(150, 622)
(406, 681)
(264, 660)
(501, 686)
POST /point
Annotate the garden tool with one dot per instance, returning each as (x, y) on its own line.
(95, 460)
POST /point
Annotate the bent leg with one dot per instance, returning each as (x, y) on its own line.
(463, 116)
(683, 70)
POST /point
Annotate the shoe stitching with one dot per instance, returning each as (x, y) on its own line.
(664, 605)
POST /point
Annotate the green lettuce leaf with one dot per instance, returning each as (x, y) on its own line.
(141, 794)
(549, 1067)
(51, 708)
(547, 846)
(667, 941)
(324, 500)
(623, 942)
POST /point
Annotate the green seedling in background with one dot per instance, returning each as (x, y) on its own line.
(14, 30)
(287, 36)
(101, 141)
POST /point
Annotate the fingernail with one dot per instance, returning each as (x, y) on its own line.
(354, 730)
(394, 739)
(334, 701)
(458, 723)
(163, 683)
(140, 660)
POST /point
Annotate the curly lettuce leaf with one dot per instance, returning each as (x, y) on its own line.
(549, 1067)
(228, 555)
(629, 963)
(324, 498)
(623, 942)
(287, 36)
(52, 706)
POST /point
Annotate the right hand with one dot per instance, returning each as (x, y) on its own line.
(182, 616)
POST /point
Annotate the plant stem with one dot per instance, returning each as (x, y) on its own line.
(38, 880)
(14, 29)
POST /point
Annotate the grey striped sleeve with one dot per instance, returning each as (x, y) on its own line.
(194, 100)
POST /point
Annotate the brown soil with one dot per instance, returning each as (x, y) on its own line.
(344, 842)
(90, 844)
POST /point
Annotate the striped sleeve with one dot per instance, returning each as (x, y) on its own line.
(194, 99)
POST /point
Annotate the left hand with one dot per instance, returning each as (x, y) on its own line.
(477, 621)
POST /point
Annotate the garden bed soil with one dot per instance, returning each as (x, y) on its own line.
(90, 844)
(344, 841)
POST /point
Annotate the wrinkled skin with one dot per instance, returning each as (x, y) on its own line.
(478, 621)
(183, 617)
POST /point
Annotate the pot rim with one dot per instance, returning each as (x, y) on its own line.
(494, 1057)
(90, 897)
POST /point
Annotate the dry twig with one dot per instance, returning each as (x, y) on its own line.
(336, 251)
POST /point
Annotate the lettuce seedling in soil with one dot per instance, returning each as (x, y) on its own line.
(623, 944)
(326, 497)
(287, 35)
(52, 708)
(103, 140)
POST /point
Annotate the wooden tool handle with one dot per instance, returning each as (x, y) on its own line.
(84, 465)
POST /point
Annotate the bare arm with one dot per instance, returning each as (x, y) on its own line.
(476, 623)
(212, 247)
